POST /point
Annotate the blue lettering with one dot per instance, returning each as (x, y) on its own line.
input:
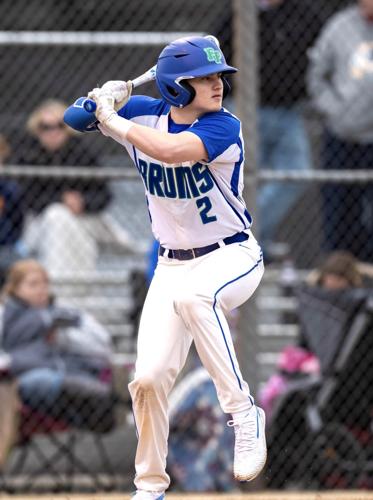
(144, 172)
(169, 185)
(182, 185)
(155, 179)
(191, 182)
(202, 175)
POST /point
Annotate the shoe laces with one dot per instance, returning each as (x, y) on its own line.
(246, 432)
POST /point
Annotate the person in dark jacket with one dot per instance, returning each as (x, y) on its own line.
(51, 143)
(61, 206)
(51, 378)
(286, 29)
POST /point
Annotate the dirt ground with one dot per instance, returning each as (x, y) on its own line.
(333, 495)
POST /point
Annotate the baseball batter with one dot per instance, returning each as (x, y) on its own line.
(189, 152)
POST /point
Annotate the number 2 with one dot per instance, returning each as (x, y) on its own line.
(205, 205)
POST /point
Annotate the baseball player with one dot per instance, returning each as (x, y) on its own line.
(189, 152)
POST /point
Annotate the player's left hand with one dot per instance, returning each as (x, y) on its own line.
(105, 104)
(120, 90)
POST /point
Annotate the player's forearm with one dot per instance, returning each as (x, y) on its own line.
(162, 146)
(159, 145)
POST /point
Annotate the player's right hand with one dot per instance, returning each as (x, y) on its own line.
(120, 90)
(105, 104)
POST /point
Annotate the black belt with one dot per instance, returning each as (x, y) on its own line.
(193, 253)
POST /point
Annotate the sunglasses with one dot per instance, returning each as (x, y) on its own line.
(46, 127)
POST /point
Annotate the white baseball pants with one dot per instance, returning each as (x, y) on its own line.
(186, 302)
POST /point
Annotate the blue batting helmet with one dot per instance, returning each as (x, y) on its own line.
(184, 59)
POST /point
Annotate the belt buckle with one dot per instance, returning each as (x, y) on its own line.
(185, 254)
(181, 254)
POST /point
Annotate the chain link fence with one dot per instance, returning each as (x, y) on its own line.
(304, 57)
(313, 204)
(74, 203)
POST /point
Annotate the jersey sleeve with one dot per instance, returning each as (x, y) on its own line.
(141, 105)
(218, 131)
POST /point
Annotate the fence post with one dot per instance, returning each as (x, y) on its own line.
(245, 81)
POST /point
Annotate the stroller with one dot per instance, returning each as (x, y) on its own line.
(320, 434)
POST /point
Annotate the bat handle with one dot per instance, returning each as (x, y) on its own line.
(89, 105)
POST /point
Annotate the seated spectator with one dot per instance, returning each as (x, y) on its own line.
(58, 372)
(50, 142)
(11, 215)
(322, 386)
(339, 272)
(59, 237)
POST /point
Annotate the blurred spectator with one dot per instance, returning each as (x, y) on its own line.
(294, 363)
(57, 355)
(322, 386)
(11, 214)
(59, 235)
(286, 29)
(340, 271)
(340, 80)
(52, 143)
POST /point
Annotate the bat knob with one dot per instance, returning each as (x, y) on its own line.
(78, 118)
(89, 105)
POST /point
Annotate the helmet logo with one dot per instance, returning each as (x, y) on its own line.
(213, 55)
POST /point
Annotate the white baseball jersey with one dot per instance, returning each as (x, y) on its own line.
(192, 204)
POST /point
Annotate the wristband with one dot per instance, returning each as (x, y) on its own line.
(118, 125)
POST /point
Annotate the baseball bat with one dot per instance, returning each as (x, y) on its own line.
(149, 75)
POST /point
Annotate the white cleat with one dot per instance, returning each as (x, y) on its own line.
(148, 495)
(250, 449)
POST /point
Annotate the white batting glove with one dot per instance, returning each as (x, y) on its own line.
(120, 90)
(105, 104)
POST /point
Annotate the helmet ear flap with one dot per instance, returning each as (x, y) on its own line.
(191, 91)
